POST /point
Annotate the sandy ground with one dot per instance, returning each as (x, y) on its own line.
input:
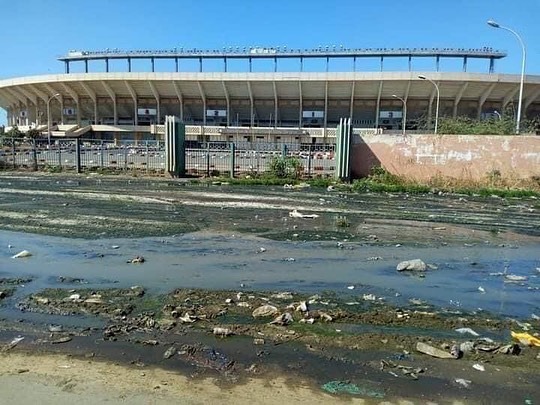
(61, 379)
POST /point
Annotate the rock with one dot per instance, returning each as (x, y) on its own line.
(22, 254)
(264, 311)
(74, 297)
(433, 351)
(412, 265)
(42, 300)
(258, 341)
(2, 295)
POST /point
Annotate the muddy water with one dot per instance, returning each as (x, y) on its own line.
(211, 237)
(227, 261)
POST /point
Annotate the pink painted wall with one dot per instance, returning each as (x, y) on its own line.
(459, 156)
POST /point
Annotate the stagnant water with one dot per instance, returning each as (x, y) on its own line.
(220, 237)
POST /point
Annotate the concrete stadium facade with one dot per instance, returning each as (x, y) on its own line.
(297, 107)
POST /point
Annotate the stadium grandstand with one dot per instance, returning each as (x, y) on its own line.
(247, 105)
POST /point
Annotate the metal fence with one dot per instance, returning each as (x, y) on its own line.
(202, 158)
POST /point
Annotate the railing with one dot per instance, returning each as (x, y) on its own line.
(202, 158)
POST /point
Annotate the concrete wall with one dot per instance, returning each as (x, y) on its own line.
(458, 156)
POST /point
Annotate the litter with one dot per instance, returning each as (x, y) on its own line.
(433, 351)
(513, 278)
(222, 332)
(479, 367)
(22, 254)
(296, 214)
(351, 287)
(467, 330)
(338, 387)
(526, 339)
(463, 382)
(482, 289)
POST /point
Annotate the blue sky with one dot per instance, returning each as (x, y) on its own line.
(36, 32)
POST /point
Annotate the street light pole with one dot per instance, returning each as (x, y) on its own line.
(404, 118)
(494, 24)
(49, 117)
(438, 99)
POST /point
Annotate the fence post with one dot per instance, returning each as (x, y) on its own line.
(284, 150)
(13, 152)
(207, 159)
(310, 162)
(233, 153)
(34, 155)
(147, 158)
(59, 156)
(101, 159)
(77, 155)
(125, 157)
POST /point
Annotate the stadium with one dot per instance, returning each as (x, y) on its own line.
(290, 107)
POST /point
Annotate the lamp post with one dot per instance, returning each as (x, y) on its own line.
(404, 118)
(498, 114)
(49, 117)
(494, 24)
(438, 99)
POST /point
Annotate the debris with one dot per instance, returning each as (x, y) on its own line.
(351, 287)
(296, 214)
(264, 310)
(513, 349)
(463, 382)
(74, 297)
(22, 254)
(261, 250)
(137, 259)
(478, 367)
(466, 347)
(55, 328)
(222, 332)
(229, 301)
(482, 289)
(115, 247)
(513, 278)
(171, 351)
(302, 307)
(13, 343)
(467, 330)
(286, 295)
(369, 297)
(258, 341)
(290, 259)
(412, 265)
(283, 319)
(187, 318)
(339, 387)
(93, 300)
(433, 351)
(63, 339)
(526, 339)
